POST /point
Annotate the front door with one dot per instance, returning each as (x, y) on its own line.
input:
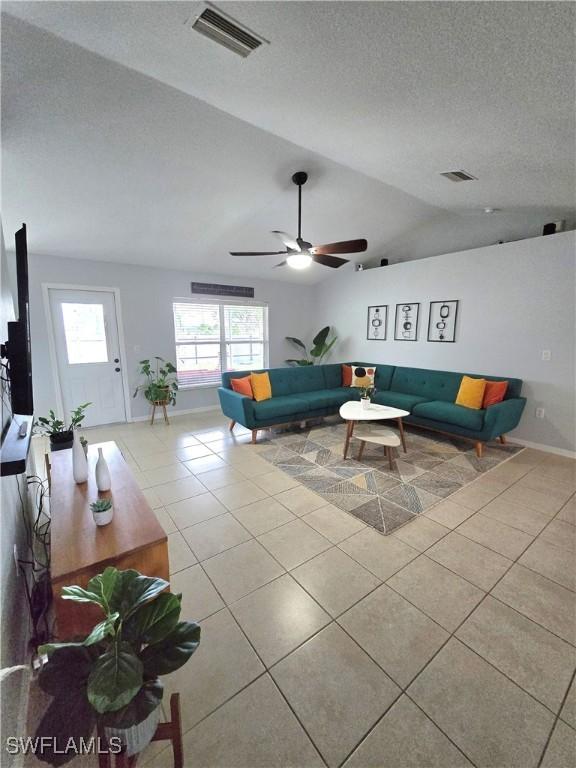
(88, 353)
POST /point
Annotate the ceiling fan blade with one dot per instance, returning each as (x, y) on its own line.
(344, 246)
(329, 261)
(257, 253)
(282, 264)
(290, 242)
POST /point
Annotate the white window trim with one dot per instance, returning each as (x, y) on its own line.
(222, 302)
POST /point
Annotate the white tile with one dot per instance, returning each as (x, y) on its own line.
(194, 510)
(189, 486)
(179, 553)
(212, 536)
(294, 543)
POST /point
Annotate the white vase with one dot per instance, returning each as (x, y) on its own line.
(103, 518)
(365, 403)
(102, 473)
(79, 462)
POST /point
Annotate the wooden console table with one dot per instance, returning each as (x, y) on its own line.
(80, 549)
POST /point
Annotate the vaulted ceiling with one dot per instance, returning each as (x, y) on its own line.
(129, 137)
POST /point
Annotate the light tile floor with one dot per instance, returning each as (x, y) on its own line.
(449, 643)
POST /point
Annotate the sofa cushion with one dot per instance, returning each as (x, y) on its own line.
(276, 407)
(397, 399)
(290, 381)
(328, 398)
(431, 385)
(449, 413)
(332, 375)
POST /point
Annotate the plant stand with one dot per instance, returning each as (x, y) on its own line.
(169, 731)
(159, 404)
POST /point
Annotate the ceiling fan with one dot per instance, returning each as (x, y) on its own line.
(299, 252)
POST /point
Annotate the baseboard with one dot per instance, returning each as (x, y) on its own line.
(182, 412)
(546, 448)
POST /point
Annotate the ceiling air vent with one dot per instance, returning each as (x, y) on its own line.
(459, 176)
(216, 289)
(223, 29)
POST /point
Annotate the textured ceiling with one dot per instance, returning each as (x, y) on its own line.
(375, 99)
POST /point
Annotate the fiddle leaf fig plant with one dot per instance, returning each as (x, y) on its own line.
(111, 678)
(320, 348)
(161, 383)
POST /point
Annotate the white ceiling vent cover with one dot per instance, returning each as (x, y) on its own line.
(223, 29)
(459, 176)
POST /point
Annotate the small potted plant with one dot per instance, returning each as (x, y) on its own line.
(161, 385)
(61, 436)
(111, 679)
(102, 511)
(366, 393)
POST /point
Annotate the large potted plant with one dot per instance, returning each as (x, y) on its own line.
(161, 385)
(61, 436)
(320, 348)
(111, 679)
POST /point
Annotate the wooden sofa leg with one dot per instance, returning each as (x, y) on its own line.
(479, 450)
(502, 439)
(232, 425)
(254, 435)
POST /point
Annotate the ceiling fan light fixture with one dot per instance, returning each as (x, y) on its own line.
(299, 260)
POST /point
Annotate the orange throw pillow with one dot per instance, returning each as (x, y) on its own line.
(494, 392)
(243, 386)
(346, 375)
(471, 392)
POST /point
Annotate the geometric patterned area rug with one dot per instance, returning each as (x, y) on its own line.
(434, 467)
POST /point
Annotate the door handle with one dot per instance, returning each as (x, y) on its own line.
(116, 360)
(117, 370)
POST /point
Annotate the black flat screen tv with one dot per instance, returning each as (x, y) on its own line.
(17, 348)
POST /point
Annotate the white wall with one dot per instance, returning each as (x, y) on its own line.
(146, 296)
(516, 300)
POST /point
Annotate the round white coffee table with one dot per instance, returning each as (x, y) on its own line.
(354, 411)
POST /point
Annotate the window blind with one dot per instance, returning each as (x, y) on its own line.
(216, 337)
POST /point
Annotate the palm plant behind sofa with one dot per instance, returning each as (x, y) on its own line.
(320, 348)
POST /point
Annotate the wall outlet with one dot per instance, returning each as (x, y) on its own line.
(540, 413)
(546, 354)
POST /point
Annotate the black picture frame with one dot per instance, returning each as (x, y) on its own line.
(453, 303)
(400, 337)
(372, 332)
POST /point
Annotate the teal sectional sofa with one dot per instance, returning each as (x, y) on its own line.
(312, 391)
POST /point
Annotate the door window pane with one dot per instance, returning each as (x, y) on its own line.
(85, 333)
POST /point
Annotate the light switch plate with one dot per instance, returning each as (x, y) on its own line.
(540, 412)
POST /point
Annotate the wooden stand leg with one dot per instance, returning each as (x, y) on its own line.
(232, 425)
(479, 450)
(153, 412)
(176, 731)
(502, 439)
(361, 451)
(254, 435)
(349, 433)
(402, 438)
(389, 455)
(165, 414)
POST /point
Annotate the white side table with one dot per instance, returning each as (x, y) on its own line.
(374, 433)
(353, 411)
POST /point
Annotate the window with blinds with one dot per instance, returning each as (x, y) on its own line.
(213, 337)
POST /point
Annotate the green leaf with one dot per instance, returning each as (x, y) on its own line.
(145, 702)
(103, 584)
(115, 679)
(80, 595)
(68, 665)
(131, 590)
(296, 341)
(102, 630)
(68, 716)
(320, 339)
(153, 621)
(304, 362)
(173, 651)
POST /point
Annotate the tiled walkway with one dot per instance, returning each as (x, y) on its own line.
(448, 643)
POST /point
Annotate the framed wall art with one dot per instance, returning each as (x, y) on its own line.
(442, 321)
(377, 322)
(406, 322)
